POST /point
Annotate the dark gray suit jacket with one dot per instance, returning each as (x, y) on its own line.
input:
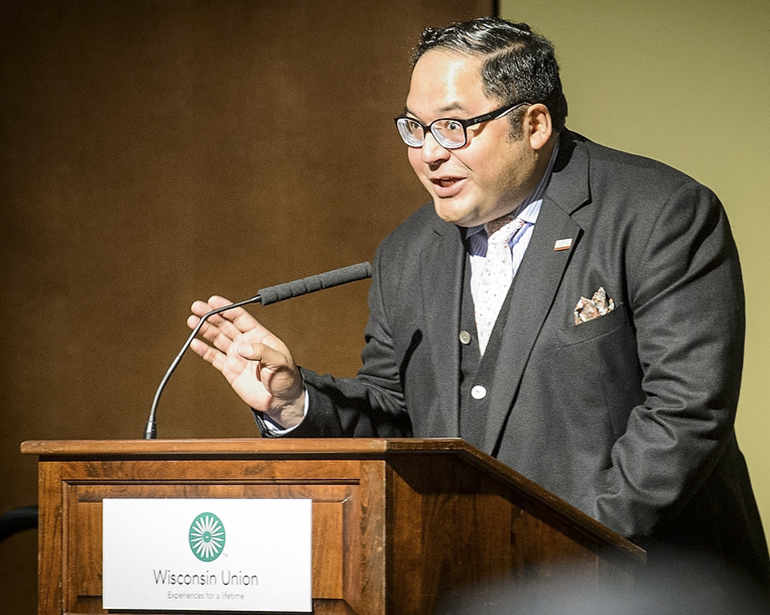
(628, 417)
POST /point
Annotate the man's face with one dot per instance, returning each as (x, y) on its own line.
(490, 175)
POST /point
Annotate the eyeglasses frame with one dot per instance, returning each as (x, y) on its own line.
(473, 121)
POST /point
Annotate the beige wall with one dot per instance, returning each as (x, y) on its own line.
(687, 83)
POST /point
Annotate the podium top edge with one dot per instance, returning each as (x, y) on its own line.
(240, 446)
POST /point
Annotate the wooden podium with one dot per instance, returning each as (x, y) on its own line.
(397, 524)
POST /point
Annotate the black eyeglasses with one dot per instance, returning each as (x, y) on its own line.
(450, 133)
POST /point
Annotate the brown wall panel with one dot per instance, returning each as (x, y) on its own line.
(157, 151)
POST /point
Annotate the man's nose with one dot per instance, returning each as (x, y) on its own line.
(432, 151)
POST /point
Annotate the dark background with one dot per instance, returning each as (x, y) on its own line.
(153, 152)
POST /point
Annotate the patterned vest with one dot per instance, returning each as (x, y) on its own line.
(476, 372)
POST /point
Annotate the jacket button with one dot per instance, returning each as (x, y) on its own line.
(465, 337)
(478, 392)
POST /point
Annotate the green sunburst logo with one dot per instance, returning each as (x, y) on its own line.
(207, 537)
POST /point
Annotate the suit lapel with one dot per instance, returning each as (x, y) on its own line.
(443, 263)
(537, 282)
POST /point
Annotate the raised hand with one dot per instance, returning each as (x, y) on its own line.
(255, 362)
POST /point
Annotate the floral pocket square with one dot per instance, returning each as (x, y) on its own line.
(596, 306)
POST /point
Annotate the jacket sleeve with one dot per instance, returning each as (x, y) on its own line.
(370, 405)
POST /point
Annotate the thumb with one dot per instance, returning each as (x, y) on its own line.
(277, 372)
(269, 357)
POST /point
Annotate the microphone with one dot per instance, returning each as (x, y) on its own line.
(266, 296)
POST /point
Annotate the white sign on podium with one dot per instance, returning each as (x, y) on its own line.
(207, 554)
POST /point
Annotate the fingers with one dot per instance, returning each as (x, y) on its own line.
(220, 334)
(212, 355)
(257, 364)
(223, 328)
(219, 329)
(237, 317)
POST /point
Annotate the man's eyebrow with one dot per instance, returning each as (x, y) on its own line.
(456, 106)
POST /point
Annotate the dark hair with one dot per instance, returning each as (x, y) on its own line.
(520, 65)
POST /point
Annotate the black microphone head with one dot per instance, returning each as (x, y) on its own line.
(313, 283)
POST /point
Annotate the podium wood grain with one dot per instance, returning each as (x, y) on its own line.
(397, 524)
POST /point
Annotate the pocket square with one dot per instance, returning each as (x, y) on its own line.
(596, 306)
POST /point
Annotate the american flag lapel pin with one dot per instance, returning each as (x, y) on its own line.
(562, 244)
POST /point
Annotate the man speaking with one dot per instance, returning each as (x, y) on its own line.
(575, 311)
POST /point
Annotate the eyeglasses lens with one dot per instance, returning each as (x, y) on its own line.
(448, 133)
(411, 132)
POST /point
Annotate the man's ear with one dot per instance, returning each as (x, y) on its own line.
(538, 125)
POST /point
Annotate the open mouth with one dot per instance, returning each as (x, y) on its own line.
(447, 186)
